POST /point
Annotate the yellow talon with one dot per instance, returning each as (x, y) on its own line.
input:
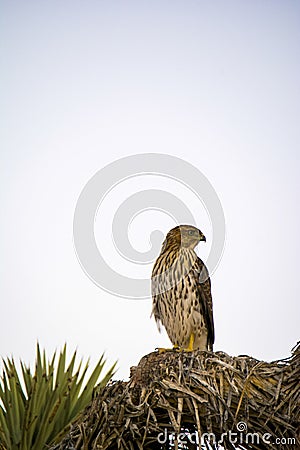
(163, 350)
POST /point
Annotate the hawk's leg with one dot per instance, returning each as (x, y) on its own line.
(190, 347)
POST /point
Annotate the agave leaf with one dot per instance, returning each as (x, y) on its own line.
(71, 365)
(26, 377)
(30, 415)
(7, 403)
(74, 398)
(108, 376)
(16, 404)
(4, 429)
(71, 399)
(61, 366)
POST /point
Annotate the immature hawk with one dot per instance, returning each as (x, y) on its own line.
(181, 291)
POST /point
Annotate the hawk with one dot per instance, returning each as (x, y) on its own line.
(181, 291)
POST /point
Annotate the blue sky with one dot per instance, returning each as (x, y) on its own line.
(86, 83)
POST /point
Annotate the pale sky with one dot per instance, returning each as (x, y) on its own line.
(87, 83)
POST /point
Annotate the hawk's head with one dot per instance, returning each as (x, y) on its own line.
(185, 236)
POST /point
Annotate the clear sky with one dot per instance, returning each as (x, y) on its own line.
(86, 83)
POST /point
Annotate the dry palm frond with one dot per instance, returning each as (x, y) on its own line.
(173, 398)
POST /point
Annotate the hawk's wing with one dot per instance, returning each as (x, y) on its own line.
(204, 291)
(156, 306)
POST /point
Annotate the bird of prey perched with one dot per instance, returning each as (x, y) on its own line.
(181, 291)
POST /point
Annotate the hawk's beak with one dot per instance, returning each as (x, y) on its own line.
(202, 237)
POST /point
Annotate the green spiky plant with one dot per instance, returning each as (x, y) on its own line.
(37, 408)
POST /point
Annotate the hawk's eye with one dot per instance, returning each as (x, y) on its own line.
(191, 232)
